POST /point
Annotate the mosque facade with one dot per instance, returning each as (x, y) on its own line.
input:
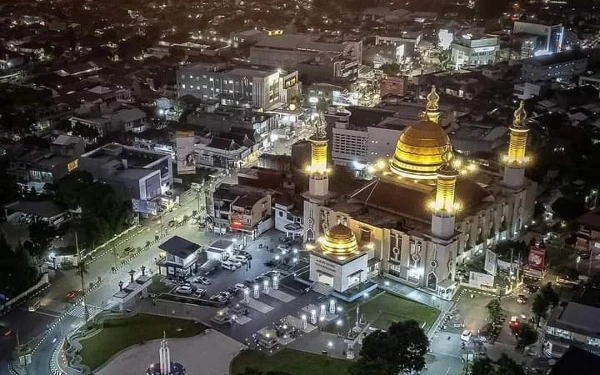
(422, 214)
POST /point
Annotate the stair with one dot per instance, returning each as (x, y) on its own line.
(321, 288)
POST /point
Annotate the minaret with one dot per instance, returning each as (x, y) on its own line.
(516, 160)
(165, 356)
(432, 110)
(318, 183)
(444, 207)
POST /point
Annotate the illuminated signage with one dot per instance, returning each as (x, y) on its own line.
(73, 165)
(484, 49)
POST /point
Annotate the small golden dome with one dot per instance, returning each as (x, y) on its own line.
(339, 242)
(421, 150)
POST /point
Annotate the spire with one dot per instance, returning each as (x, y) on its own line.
(432, 109)
(519, 116)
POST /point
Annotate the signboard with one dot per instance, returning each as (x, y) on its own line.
(536, 259)
(491, 262)
(186, 161)
(484, 49)
(145, 207)
(479, 280)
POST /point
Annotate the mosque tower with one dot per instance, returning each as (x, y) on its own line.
(444, 207)
(516, 160)
(318, 182)
(164, 357)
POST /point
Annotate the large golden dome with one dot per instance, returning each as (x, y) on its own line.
(339, 242)
(421, 146)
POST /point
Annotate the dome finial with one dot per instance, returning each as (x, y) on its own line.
(433, 100)
(520, 115)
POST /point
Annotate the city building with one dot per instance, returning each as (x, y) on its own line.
(122, 120)
(472, 48)
(134, 173)
(239, 208)
(178, 258)
(404, 42)
(327, 65)
(538, 39)
(576, 361)
(393, 86)
(288, 218)
(37, 168)
(288, 50)
(425, 210)
(588, 235)
(264, 88)
(560, 66)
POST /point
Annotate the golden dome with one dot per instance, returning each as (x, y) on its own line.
(339, 242)
(420, 151)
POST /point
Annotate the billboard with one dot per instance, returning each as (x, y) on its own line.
(481, 280)
(536, 259)
(491, 262)
(144, 206)
(186, 161)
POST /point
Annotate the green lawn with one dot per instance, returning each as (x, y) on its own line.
(118, 334)
(158, 285)
(384, 309)
(291, 361)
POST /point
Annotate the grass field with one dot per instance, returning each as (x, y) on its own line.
(384, 309)
(291, 361)
(118, 334)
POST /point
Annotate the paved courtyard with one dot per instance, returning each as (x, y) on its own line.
(208, 354)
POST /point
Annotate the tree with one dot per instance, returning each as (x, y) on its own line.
(539, 308)
(494, 310)
(71, 188)
(392, 69)
(482, 366)
(549, 294)
(401, 349)
(503, 366)
(40, 237)
(568, 209)
(526, 335)
(18, 272)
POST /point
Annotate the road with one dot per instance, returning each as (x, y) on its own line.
(30, 326)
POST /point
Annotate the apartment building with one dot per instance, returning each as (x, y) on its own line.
(472, 48)
(564, 65)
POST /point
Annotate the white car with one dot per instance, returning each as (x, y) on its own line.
(239, 259)
(465, 335)
(186, 290)
(229, 265)
(239, 286)
(235, 262)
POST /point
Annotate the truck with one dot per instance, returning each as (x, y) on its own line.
(209, 267)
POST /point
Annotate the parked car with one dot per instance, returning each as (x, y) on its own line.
(239, 258)
(184, 289)
(239, 286)
(273, 273)
(218, 298)
(201, 280)
(282, 247)
(233, 290)
(229, 265)
(200, 292)
(235, 262)
(226, 295)
(514, 322)
(465, 335)
(521, 299)
(243, 253)
(249, 283)
(34, 305)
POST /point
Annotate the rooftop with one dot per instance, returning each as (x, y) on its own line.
(136, 158)
(46, 209)
(579, 318)
(179, 247)
(576, 361)
(556, 58)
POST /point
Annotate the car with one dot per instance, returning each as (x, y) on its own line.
(240, 286)
(226, 295)
(200, 292)
(72, 294)
(271, 263)
(260, 279)
(521, 299)
(514, 322)
(243, 253)
(531, 288)
(249, 283)
(229, 265)
(233, 290)
(184, 289)
(272, 273)
(239, 258)
(282, 247)
(34, 306)
(218, 298)
(201, 280)
(236, 262)
(465, 335)
(171, 223)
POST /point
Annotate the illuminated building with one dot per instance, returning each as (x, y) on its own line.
(318, 169)
(538, 39)
(516, 160)
(563, 65)
(425, 210)
(472, 49)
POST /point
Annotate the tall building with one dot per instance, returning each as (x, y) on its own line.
(265, 88)
(563, 65)
(472, 49)
(538, 39)
(425, 211)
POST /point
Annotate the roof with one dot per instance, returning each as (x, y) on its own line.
(179, 247)
(580, 316)
(46, 209)
(577, 361)
(590, 219)
(221, 245)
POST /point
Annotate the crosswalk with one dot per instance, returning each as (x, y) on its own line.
(78, 310)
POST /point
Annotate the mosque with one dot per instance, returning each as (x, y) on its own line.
(423, 212)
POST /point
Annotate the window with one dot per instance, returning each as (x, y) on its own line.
(280, 213)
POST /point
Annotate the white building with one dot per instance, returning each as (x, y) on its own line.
(473, 49)
(264, 88)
